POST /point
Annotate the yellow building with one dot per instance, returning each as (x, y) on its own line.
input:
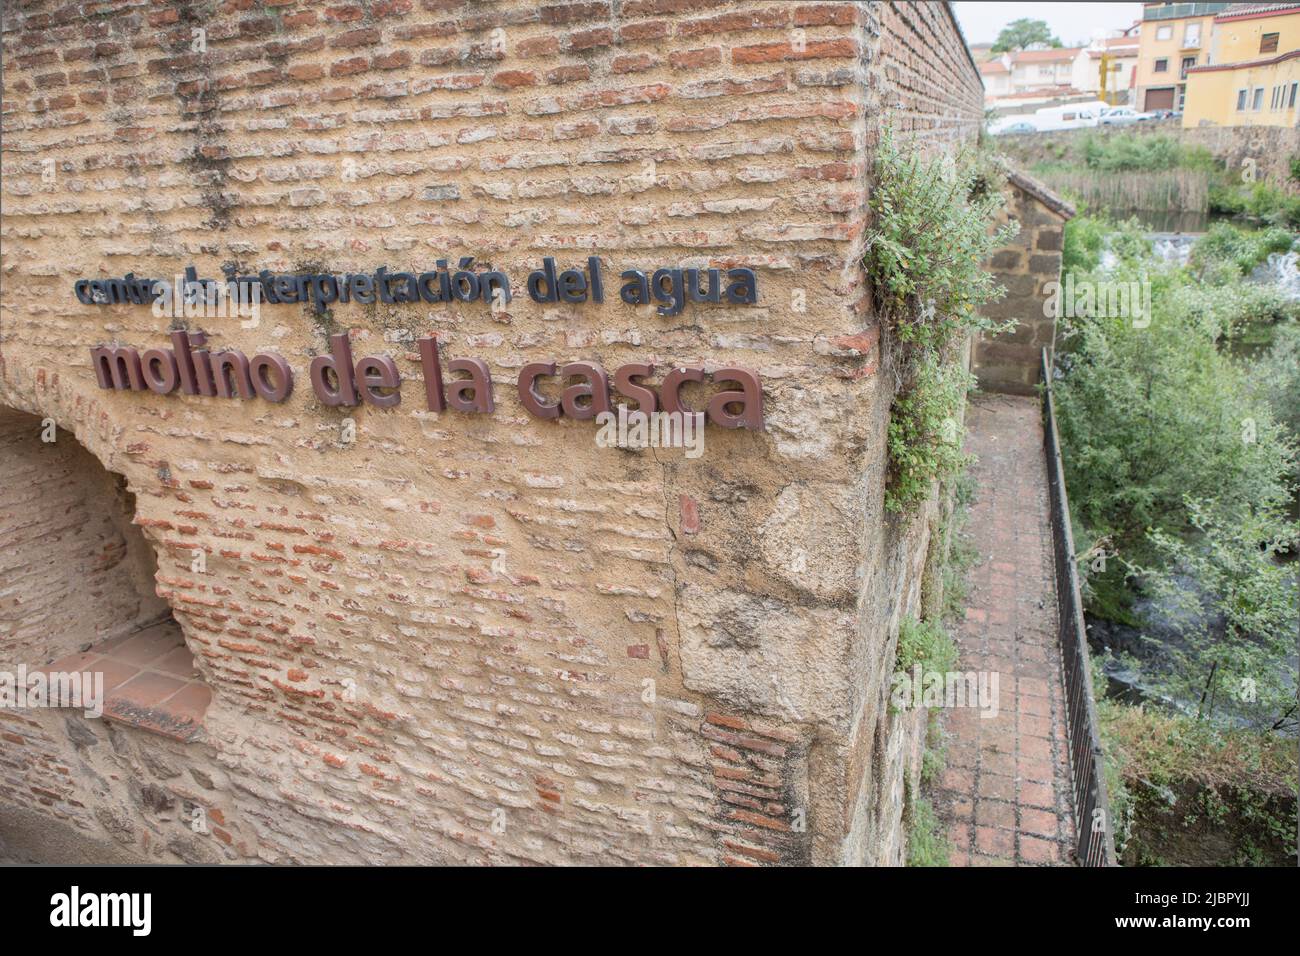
(1253, 76)
(1174, 38)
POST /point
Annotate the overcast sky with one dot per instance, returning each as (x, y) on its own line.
(1073, 22)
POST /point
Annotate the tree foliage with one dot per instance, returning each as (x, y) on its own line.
(1153, 412)
(1182, 458)
(1024, 33)
(1235, 603)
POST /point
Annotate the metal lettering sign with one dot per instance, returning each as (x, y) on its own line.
(463, 384)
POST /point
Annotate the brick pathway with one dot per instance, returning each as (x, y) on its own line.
(1006, 791)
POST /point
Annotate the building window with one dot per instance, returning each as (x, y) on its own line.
(1272, 100)
(1162, 65)
(1164, 33)
(1268, 43)
(1188, 63)
(1192, 36)
(1045, 71)
(1291, 103)
(1241, 99)
(1257, 103)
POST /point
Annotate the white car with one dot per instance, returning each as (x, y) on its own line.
(1020, 126)
(1123, 115)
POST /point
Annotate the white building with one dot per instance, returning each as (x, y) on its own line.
(1120, 55)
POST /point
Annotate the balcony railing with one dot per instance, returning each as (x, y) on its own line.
(1173, 11)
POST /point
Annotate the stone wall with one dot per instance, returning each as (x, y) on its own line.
(482, 638)
(1009, 361)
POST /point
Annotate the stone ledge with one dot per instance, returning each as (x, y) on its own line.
(150, 681)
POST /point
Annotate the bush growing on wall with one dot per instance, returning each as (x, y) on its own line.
(925, 258)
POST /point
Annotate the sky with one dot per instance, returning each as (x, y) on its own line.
(1074, 23)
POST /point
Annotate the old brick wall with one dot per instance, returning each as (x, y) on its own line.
(1010, 361)
(483, 638)
(73, 569)
(930, 84)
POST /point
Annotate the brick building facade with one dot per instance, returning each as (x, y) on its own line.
(391, 634)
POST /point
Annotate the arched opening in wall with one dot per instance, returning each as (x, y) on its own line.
(77, 592)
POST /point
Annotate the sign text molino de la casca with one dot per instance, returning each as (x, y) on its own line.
(339, 379)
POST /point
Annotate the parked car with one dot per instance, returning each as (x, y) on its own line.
(1018, 127)
(1124, 115)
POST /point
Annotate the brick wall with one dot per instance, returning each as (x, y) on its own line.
(483, 638)
(73, 569)
(1010, 361)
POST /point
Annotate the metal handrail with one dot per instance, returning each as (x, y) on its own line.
(1095, 844)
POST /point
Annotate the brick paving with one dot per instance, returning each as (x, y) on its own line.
(1005, 794)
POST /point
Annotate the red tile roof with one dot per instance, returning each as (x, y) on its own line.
(1046, 56)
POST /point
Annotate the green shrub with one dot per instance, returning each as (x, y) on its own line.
(1236, 609)
(1262, 202)
(1152, 412)
(1085, 238)
(1116, 153)
(1243, 248)
(1138, 152)
(1227, 306)
(1159, 764)
(1199, 157)
(925, 439)
(1088, 236)
(931, 237)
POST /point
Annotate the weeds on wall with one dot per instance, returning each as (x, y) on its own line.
(927, 843)
(931, 235)
(962, 555)
(927, 644)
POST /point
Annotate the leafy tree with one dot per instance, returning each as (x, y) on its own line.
(1278, 376)
(1236, 607)
(1024, 33)
(1152, 411)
